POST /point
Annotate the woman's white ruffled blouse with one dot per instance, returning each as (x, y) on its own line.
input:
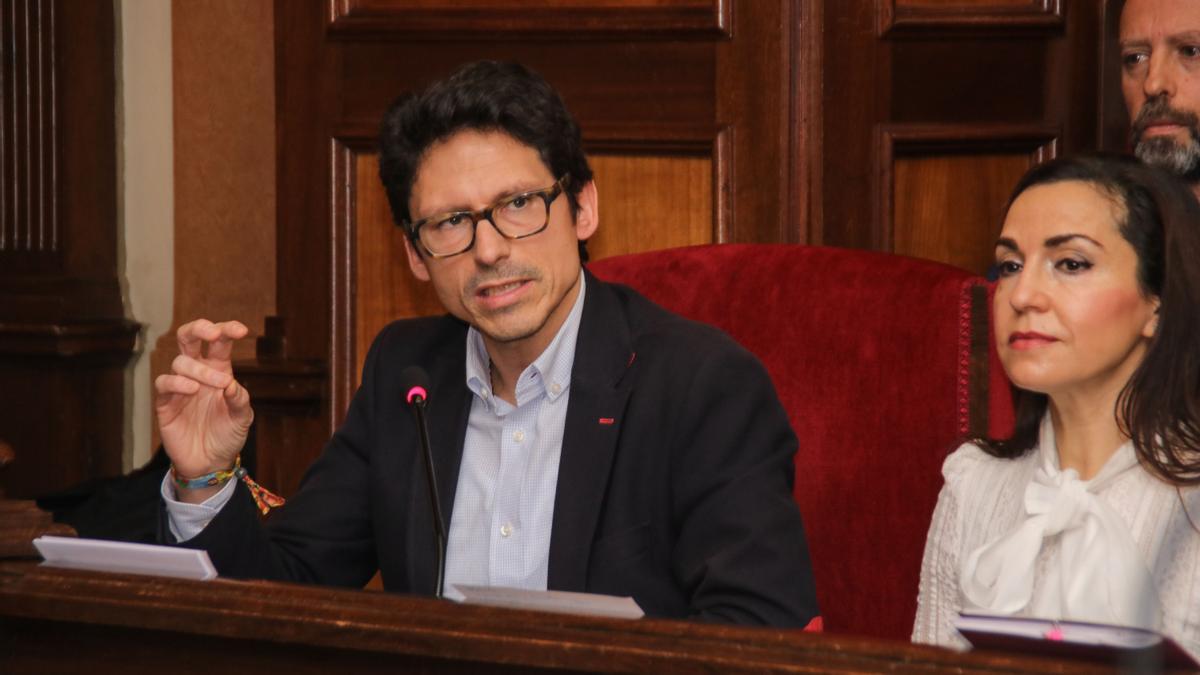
(1023, 537)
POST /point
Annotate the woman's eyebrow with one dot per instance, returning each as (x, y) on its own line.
(1061, 239)
(1005, 242)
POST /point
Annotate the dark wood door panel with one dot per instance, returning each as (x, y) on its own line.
(968, 80)
(971, 68)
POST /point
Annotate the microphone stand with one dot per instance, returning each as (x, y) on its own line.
(418, 404)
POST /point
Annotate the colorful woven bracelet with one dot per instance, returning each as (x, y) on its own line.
(264, 498)
(213, 479)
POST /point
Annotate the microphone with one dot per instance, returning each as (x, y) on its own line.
(415, 385)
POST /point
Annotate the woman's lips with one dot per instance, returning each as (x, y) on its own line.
(1029, 340)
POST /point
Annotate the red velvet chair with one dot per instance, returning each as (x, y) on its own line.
(883, 364)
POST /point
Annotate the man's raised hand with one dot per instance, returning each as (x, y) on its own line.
(204, 414)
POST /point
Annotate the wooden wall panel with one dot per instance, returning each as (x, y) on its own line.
(1012, 69)
(948, 207)
(976, 70)
(942, 187)
(385, 289)
(651, 202)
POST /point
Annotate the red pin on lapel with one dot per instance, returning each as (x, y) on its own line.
(607, 421)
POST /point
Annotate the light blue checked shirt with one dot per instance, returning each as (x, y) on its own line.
(504, 505)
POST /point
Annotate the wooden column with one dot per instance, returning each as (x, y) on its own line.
(64, 340)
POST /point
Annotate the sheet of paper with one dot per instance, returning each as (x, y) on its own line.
(115, 556)
(562, 602)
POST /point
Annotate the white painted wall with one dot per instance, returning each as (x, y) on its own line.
(146, 200)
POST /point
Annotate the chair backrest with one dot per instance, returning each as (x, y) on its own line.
(882, 363)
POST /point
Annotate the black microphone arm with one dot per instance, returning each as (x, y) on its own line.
(416, 392)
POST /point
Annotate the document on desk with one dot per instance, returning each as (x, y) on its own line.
(116, 556)
(1073, 640)
(561, 602)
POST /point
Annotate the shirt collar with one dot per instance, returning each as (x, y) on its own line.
(550, 372)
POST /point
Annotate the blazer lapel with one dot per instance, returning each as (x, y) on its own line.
(594, 414)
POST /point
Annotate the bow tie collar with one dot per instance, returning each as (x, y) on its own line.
(1098, 575)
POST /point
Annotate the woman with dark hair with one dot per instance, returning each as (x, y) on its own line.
(1089, 511)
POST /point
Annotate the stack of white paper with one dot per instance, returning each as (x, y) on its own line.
(115, 556)
(561, 602)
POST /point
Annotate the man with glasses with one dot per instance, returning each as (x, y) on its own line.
(585, 439)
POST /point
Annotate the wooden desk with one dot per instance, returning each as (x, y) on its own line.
(66, 621)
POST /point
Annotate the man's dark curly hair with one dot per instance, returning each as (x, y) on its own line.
(482, 96)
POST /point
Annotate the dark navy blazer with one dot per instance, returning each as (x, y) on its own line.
(674, 486)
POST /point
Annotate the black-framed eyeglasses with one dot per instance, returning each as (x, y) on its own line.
(515, 217)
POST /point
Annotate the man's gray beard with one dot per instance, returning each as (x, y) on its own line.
(1182, 159)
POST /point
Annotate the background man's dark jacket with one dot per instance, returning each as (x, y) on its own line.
(683, 500)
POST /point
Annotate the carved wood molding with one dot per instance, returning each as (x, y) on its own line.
(21, 521)
(343, 187)
(111, 341)
(651, 139)
(899, 140)
(1016, 16)
(50, 298)
(634, 139)
(722, 185)
(530, 19)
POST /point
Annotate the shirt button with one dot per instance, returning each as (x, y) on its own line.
(518, 436)
(505, 530)
(554, 388)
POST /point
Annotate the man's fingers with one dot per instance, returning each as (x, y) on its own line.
(165, 385)
(166, 388)
(234, 329)
(227, 333)
(191, 368)
(237, 398)
(191, 336)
